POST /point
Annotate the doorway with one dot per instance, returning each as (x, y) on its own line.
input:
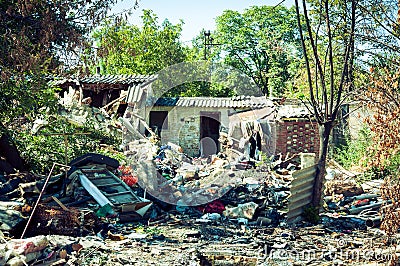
(209, 133)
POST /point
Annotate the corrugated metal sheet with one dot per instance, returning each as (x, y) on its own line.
(117, 79)
(108, 79)
(135, 94)
(209, 102)
(63, 81)
(301, 192)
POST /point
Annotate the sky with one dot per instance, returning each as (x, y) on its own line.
(196, 14)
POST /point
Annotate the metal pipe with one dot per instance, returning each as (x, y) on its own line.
(371, 220)
(366, 207)
(365, 196)
(263, 221)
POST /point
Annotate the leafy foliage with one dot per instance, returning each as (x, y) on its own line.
(383, 97)
(378, 31)
(130, 49)
(39, 39)
(354, 152)
(263, 43)
(390, 192)
(24, 98)
(36, 37)
(40, 150)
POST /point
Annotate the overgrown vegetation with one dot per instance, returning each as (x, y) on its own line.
(311, 214)
(40, 39)
(354, 152)
(49, 145)
(122, 48)
(383, 98)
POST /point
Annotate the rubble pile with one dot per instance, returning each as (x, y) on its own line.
(163, 207)
(244, 192)
(197, 244)
(349, 205)
(68, 221)
(81, 113)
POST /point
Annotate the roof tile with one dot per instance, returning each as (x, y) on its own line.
(209, 102)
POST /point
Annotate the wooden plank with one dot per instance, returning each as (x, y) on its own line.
(59, 203)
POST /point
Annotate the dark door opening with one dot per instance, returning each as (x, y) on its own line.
(158, 121)
(209, 133)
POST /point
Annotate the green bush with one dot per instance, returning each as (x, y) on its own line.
(394, 165)
(354, 153)
(44, 148)
(311, 214)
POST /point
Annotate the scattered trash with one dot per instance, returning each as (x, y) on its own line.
(211, 216)
(246, 210)
(345, 187)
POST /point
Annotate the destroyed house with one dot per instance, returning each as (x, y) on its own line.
(109, 92)
(196, 123)
(286, 128)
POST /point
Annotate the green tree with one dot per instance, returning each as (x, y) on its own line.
(328, 82)
(39, 39)
(263, 43)
(36, 38)
(129, 49)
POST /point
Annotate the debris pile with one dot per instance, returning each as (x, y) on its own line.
(350, 205)
(247, 192)
(236, 207)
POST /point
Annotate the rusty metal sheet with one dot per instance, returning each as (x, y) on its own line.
(301, 192)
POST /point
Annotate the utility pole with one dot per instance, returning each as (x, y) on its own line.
(207, 42)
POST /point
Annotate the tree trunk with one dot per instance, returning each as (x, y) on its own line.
(324, 131)
(10, 154)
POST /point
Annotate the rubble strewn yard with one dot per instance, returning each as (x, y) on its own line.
(239, 205)
(104, 218)
(188, 243)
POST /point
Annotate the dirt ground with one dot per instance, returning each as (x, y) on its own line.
(186, 244)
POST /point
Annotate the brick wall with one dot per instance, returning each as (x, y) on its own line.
(189, 135)
(295, 136)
